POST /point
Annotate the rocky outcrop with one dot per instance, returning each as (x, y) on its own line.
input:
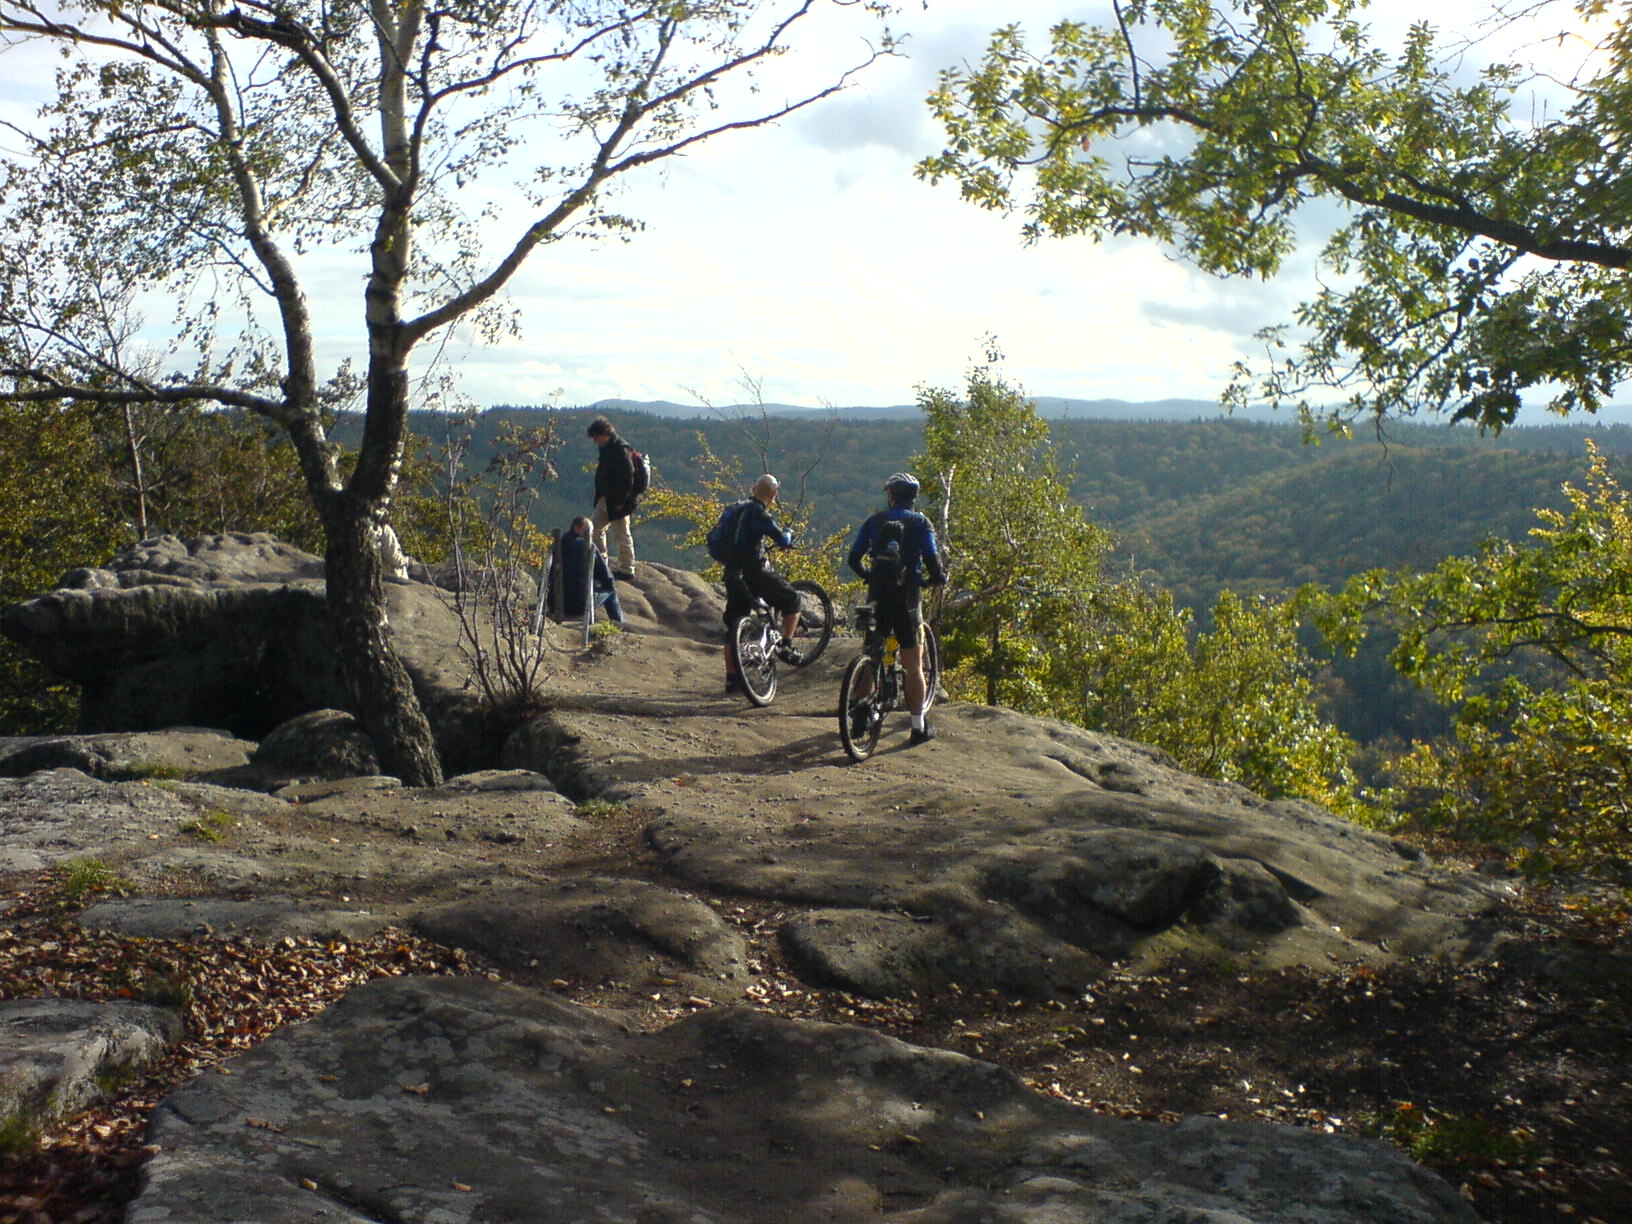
(459, 1099)
(1011, 854)
(219, 631)
(229, 631)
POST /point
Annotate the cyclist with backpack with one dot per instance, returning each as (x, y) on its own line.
(895, 551)
(738, 543)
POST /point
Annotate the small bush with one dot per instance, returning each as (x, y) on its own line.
(19, 1134)
(1450, 1141)
(83, 878)
(211, 827)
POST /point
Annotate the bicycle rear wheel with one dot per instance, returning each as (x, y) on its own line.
(751, 642)
(932, 667)
(815, 620)
(860, 720)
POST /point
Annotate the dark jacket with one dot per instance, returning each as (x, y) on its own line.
(615, 477)
(920, 556)
(754, 526)
(574, 555)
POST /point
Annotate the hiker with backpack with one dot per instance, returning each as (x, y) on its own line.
(737, 542)
(621, 477)
(894, 552)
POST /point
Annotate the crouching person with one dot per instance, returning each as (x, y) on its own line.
(584, 570)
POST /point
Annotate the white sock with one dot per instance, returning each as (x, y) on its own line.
(917, 722)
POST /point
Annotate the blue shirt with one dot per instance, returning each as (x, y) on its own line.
(754, 526)
(920, 556)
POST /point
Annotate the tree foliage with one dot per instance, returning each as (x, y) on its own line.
(1485, 249)
(1533, 646)
(199, 154)
(1030, 563)
(51, 479)
(70, 497)
(1042, 621)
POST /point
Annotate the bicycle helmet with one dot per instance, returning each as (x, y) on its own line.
(903, 486)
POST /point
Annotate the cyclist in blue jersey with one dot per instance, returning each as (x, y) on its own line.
(895, 551)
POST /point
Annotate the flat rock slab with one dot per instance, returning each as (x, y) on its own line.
(56, 815)
(594, 929)
(59, 1056)
(429, 1101)
(264, 921)
(114, 756)
(1055, 849)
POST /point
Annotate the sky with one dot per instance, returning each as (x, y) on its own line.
(807, 260)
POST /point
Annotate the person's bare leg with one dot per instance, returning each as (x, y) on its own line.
(912, 662)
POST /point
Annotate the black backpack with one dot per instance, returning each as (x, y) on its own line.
(642, 479)
(722, 537)
(886, 567)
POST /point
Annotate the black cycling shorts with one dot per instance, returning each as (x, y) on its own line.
(742, 585)
(903, 617)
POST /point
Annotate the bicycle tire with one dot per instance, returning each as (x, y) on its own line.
(932, 667)
(815, 620)
(860, 747)
(755, 663)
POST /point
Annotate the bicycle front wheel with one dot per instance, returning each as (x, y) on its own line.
(932, 667)
(755, 663)
(861, 718)
(815, 620)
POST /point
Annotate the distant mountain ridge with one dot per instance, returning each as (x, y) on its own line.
(1053, 408)
(1050, 407)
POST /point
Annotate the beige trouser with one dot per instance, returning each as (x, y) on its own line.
(620, 536)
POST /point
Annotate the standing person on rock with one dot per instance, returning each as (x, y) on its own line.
(895, 552)
(614, 495)
(748, 573)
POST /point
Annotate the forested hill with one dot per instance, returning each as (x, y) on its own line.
(1200, 504)
(1354, 510)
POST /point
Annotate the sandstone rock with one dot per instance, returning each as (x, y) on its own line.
(265, 920)
(56, 815)
(172, 753)
(220, 631)
(319, 744)
(1026, 849)
(494, 781)
(892, 955)
(681, 601)
(58, 1056)
(593, 929)
(460, 1099)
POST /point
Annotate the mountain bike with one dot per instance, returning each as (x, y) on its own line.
(861, 719)
(759, 633)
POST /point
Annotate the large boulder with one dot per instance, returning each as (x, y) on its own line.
(319, 744)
